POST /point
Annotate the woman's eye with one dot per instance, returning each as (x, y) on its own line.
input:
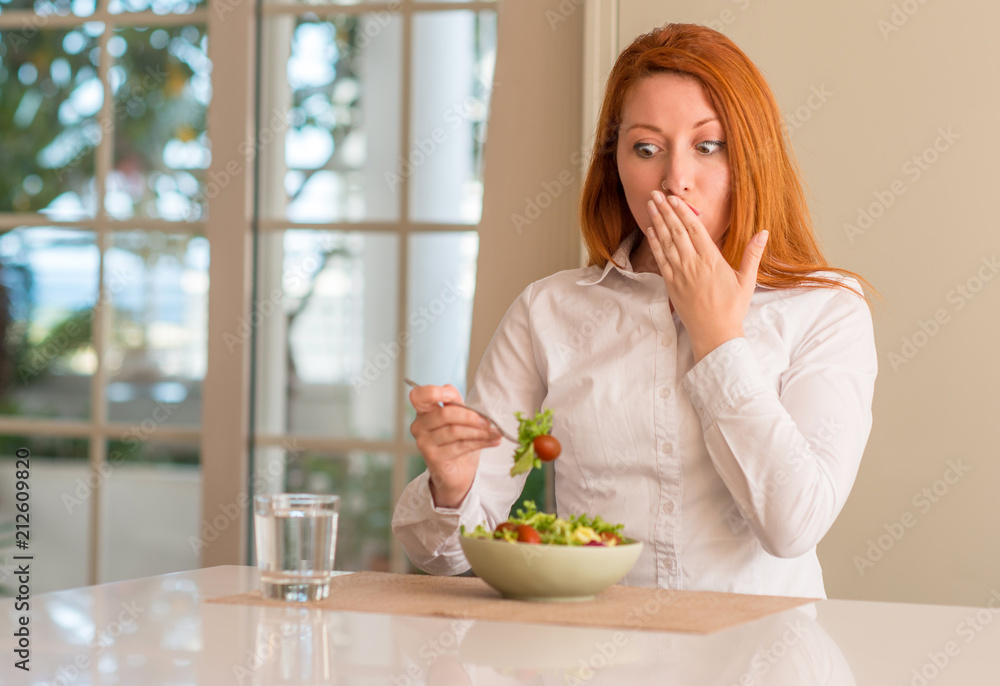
(710, 147)
(644, 149)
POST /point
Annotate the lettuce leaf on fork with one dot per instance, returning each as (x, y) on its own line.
(528, 430)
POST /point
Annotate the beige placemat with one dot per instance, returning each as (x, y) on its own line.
(619, 607)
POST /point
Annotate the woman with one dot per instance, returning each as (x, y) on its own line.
(710, 376)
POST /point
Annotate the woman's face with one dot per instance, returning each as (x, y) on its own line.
(672, 140)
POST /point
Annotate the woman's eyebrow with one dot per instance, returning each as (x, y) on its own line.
(697, 124)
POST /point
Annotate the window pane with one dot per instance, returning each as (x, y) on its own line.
(150, 513)
(80, 8)
(364, 483)
(50, 279)
(59, 533)
(157, 348)
(50, 97)
(453, 57)
(161, 85)
(442, 282)
(135, 447)
(331, 135)
(157, 6)
(327, 329)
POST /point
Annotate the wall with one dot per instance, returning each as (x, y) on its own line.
(893, 110)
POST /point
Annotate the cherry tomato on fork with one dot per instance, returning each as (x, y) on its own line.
(547, 448)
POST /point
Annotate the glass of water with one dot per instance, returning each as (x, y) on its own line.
(296, 535)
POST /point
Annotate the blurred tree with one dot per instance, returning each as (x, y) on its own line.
(51, 96)
(46, 143)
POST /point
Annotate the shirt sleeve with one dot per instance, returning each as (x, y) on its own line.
(789, 456)
(506, 382)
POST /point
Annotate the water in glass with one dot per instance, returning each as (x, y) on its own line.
(296, 539)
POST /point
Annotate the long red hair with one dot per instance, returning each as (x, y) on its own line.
(766, 187)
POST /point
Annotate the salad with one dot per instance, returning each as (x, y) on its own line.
(532, 526)
(535, 445)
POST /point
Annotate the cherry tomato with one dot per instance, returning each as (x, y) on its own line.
(610, 538)
(594, 543)
(527, 534)
(505, 526)
(547, 448)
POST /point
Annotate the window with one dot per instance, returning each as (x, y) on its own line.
(105, 280)
(120, 125)
(370, 192)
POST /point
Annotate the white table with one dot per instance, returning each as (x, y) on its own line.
(160, 631)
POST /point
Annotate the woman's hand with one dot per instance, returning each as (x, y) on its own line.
(449, 438)
(709, 296)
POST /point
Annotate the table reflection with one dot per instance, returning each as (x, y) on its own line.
(789, 649)
(292, 646)
(181, 640)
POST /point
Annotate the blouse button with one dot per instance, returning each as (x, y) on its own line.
(667, 447)
(668, 506)
(665, 392)
(666, 341)
(669, 563)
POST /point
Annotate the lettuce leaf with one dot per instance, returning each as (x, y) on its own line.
(528, 430)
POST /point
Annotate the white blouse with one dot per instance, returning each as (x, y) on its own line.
(730, 470)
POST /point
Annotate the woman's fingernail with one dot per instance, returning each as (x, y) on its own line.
(658, 196)
(674, 201)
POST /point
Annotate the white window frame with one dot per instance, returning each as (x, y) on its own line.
(98, 429)
(225, 449)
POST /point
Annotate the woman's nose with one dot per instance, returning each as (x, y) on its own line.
(676, 177)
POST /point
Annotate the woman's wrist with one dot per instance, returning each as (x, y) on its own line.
(701, 346)
(445, 497)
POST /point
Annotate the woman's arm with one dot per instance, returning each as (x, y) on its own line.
(789, 457)
(506, 382)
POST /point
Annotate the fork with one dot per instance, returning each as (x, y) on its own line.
(485, 416)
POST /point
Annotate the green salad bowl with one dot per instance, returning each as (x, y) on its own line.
(549, 573)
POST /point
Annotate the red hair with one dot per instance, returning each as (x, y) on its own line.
(766, 187)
